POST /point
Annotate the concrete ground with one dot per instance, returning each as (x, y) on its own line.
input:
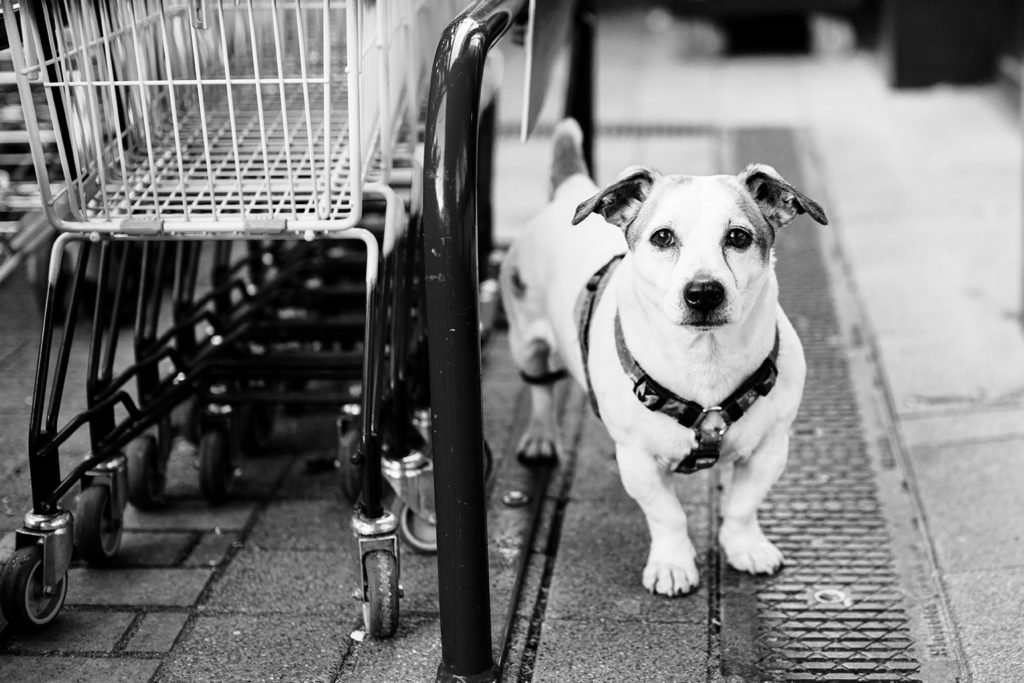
(923, 257)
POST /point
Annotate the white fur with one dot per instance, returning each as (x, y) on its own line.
(554, 259)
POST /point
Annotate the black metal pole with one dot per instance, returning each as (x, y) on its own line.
(453, 328)
(579, 97)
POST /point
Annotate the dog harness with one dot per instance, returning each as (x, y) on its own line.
(657, 398)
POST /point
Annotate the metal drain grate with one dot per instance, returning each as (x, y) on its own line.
(837, 612)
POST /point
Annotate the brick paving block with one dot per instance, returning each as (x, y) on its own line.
(987, 608)
(260, 474)
(412, 655)
(85, 631)
(601, 558)
(139, 587)
(418, 578)
(954, 480)
(605, 650)
(192, 514)
(152, 549)
(303, 647)
(157, 632)
(210, 550)
(76, 669)
(287, 582)
(304, 525)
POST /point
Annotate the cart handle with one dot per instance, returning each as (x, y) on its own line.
(453, 333)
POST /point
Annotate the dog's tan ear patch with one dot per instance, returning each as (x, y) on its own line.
(620, 202)
(779, 201)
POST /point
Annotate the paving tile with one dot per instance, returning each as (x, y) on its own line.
(605, 650)
(313, 476)
(76, 669)
(988, 424)
(157, 632)
(966, 489)
(210, 550)
(412, 655)
(305, 647)
(990, 612)
(137, 587)
(303, 525)
(286, 582)
(153, 549)
(600, 560)
(191, 514)
(85, 631)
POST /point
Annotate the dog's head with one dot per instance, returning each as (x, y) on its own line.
(701, 245)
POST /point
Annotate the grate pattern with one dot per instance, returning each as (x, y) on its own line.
(837, 611)
(233, 164)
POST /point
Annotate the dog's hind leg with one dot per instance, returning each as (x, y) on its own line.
(540, 439)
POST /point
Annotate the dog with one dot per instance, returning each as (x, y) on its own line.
(658, 295)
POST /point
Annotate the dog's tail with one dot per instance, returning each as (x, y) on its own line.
(567, 155)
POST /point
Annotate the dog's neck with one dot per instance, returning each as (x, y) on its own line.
(703, 366)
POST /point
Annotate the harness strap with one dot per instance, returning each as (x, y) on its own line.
(659, 399)
(586, 304)
(546, 378)
(691, 414)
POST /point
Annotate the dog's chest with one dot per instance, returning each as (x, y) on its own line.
(633, 425)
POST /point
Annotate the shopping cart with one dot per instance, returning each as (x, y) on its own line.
(236, 180)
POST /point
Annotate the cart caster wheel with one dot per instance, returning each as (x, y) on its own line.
(97, 529)
(216, 473)
(146, 475)
(380, 611)
(418, 532)
(351, 473)
(22, 600)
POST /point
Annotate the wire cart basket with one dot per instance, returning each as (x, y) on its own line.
(237, 198)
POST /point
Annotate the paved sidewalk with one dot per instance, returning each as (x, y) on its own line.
(923, 258)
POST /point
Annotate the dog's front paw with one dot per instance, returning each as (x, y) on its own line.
(539, 443)
(748, 550)
(672, 571)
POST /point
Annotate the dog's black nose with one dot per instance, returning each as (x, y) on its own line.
(704, 295)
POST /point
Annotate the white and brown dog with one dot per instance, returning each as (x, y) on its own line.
(658, 294)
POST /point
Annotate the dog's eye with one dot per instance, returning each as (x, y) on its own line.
(739, 239)
(663, 238)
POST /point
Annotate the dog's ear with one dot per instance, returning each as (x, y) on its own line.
(620, 202)
(779, 201)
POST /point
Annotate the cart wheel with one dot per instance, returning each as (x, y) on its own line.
(216, 473)
(146, 476)
(417, 531)
(380, 611)
(22, 600)
(97, 532)
(351, 473)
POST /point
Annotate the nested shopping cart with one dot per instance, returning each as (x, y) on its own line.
(234, 196)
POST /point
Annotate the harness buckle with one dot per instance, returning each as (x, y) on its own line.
(709, 444)
(716, 433)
